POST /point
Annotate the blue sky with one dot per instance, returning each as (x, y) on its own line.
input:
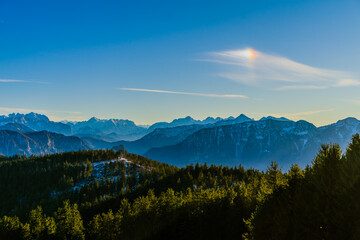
(152, 61)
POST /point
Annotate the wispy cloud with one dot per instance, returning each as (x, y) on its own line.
(256, 68)
(185, 93)
(308, 113)
(300, 87)
(21, 81)
(298, 115)
(67, 118)
(11, 81)
(57, 115)
(68, 112)
(20, 110)
(355, 101)
(6, 110)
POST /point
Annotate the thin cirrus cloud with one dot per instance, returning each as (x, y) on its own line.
(21, 81)
(11, 81)
(52, 115)
(298, 115)
(185, 93)
(25, 110)
(308, 113)
(355, 101)
(20, 110)
(256, 68)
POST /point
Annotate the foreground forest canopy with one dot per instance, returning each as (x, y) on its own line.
(117, 195)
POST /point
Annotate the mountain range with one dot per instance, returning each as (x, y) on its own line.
(35, 143)
(183, 141)
(108, 130)
(257, 143)
(36, 122)
(253, 144)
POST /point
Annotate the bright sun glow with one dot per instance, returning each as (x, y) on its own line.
(250, 53)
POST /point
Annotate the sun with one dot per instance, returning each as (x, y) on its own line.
(249, 53)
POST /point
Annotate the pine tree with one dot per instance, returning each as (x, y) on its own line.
(69, 224)
(41, 226)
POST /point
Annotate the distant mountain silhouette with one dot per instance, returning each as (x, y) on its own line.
(38, 143)
(17, 127)
(257, 143)
(36, 122)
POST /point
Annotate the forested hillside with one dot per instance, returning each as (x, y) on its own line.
(117, 195)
